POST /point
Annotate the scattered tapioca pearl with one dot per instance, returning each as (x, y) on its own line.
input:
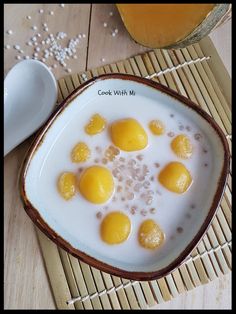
(35, 58)
(54, 66)
(204, 150)
(188, 128)
(103, 59)
(179, 229)
(80, 36)
(26, 57)
(35, 43)
(105, 24)
(116, 31)
(41, 11)
(119, 188)
(35, 54)
(29, 43)
(197, 136)
(157, 165)
(45, 24)
(75, 57)
(37, 49)
(46, 29)
(171, 134)
(62, 5)
(50, 68)
(83, 35)
(21, 51)
(51, 13)
(139, 157)
(111, 13)
(192, 206)
(43, 59)
(39, 35)
(43, 42)
(113, 34)
(152, 210)
(7, 46)
(28, 17)
(17, 47)
(18, 57)
(34, 28)
(205, 165)
(34, 39)
(143, 212)
(68, 70)
(99, 215)
(172, 115)
(9, 32)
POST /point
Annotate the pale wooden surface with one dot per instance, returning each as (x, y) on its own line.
(25, 281)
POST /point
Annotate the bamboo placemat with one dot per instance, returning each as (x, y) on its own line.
(195, 72)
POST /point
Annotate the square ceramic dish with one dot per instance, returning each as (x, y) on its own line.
(68, 225)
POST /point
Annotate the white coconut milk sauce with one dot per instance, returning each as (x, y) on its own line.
(76, 220)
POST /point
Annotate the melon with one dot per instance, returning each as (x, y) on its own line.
(171, 25)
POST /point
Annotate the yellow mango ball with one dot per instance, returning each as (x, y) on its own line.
(182, 146)
(96, 184)
(95, 125)
(150, 235)
(67, 185)
(115, 228)
(175, 177)
(128, 135)
(157, 127)
(80, 153)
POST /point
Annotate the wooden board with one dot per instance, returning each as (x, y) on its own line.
(193, 72)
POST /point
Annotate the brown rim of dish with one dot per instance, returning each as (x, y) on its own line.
(45, 228)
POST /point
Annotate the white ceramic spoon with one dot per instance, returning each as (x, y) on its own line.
(30, 93)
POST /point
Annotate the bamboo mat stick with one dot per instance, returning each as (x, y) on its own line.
(178, 76)
(178, 281)
(156, 66)
(98, 280)
(121, 293)
(70, 277)
(156, 291)
(164, 289)
(171, 285)
(59, 94)
(212, 255)
(80, 281)
(113, 295)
